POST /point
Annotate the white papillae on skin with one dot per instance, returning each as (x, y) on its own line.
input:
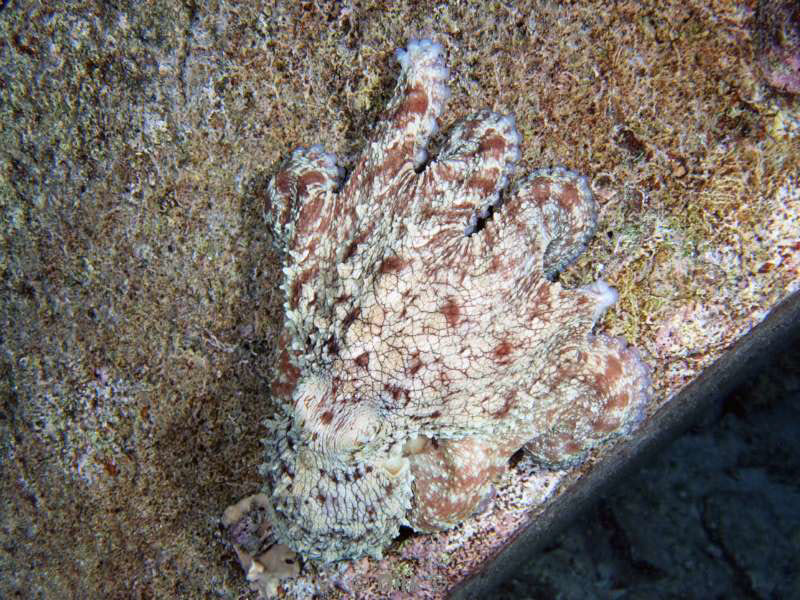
(425, 341)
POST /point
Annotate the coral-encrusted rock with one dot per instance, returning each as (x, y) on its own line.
(425, 339)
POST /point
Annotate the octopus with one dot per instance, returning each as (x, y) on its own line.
(426, 337)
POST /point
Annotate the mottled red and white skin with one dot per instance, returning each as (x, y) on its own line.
(425, 339)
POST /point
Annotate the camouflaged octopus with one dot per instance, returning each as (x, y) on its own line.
(425, 340)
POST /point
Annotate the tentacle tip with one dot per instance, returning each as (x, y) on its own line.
(424, 48)
(604, 295)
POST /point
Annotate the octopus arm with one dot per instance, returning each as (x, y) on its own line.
(330, 510)
(303, 202)
(463, 184)
(453, 479)
(301, 197)
(553, 209)
(603, 387)
(400, 144)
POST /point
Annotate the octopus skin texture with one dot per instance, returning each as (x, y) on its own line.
(425, 339)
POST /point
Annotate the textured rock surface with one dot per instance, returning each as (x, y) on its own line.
(425, 341)
(139, 291)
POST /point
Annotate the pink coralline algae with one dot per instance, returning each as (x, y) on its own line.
(778, 43)
(426, 340)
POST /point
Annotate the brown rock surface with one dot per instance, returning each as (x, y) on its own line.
(139, 298)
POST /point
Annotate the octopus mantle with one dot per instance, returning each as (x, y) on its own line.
(425, 340)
